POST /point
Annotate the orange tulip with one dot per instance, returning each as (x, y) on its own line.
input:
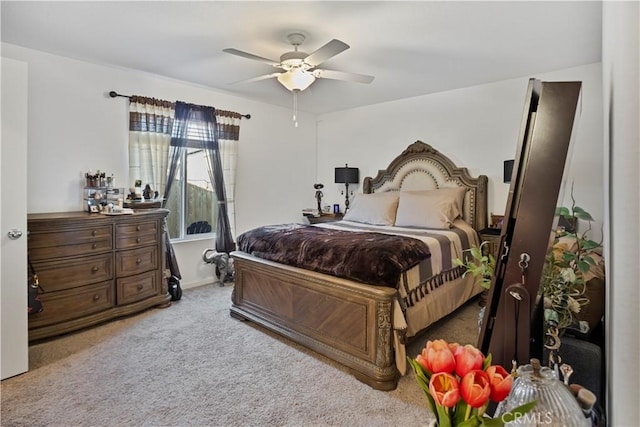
(444, 389)
(468, 358)
(475, 388)
(453, 346)
(500, 381)
(437, 357)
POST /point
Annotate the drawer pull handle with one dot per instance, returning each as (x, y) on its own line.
(137, 228)
(140, 287)
(95, 269)
(94, 232)
(96, 297)
(137, 240)
(138, 261)
(93, 246)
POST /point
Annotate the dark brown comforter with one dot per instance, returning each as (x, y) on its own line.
(367, 257)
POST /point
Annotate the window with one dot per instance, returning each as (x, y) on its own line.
(172, 147)
(192, 201)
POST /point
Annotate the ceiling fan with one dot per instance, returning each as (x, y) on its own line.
(299, 68)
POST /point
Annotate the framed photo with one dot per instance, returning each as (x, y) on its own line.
(94, 208)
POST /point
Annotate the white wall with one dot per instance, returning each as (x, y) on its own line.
(73, 127)
(476, 127)
(621, 71)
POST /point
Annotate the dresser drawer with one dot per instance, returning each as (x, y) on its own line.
(72, 273)
(138, 287)
(74, 303)
(136, 234)
(64, 243)
(135, 261)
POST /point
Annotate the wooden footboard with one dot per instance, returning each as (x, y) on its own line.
(340, 319)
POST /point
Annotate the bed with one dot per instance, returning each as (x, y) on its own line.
(365, 326)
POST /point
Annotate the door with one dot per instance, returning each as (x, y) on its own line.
(14, 347)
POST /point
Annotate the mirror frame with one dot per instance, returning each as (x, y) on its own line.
(512, 328)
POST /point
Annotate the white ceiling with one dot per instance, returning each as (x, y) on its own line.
(412, 48)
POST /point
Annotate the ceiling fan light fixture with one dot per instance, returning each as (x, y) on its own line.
(296, 80)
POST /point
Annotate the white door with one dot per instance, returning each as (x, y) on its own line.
(14, 347)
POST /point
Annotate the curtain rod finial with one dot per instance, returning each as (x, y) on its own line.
(113, 94)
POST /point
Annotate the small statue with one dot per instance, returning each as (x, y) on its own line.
(146, 193)
(319, 195)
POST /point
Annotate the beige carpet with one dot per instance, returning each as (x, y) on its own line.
(194, 365)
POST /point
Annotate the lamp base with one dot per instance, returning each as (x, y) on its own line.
(346, 198)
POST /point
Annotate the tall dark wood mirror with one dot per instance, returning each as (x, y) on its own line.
(512, 327)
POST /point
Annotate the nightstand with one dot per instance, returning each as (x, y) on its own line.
(324, 218)
(492, 237)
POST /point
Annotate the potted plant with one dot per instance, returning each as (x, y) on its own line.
(564, 288)
(478, 264)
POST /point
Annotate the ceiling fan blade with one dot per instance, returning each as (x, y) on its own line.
(341, 75)
(327, 51)
(257, 79)
(251, 56)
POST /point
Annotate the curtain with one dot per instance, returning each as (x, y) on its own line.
(228, 130)
(150, 124)
(195, 126)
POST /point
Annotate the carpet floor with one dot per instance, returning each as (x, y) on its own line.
(193, 365)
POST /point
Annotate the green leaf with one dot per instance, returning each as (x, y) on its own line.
(517, 412)
(562, 211)
(492, 422)
(443, 417)
(419, 369)
(487, 362)
(580, 213)
(577, 209)
(474, 421)
(422, 378)
(550, 314)
(492, 261)
(583, 266)
(461, 409)
(588, 245)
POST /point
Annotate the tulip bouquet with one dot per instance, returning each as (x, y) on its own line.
(460, 381)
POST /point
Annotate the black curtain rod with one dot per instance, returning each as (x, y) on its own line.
(114, 94)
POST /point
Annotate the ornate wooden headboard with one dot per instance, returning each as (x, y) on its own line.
(422, 167)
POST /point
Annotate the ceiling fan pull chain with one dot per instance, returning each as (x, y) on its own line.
(295, 108)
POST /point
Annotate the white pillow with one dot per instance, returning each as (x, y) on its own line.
(375, 208)
(457, 193)
(428, 209)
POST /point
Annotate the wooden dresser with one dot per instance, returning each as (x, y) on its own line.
(95, 267)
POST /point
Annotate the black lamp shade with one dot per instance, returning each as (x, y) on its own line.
(508, 170)
(347, 175)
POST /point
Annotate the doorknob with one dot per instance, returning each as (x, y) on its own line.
(14, 234)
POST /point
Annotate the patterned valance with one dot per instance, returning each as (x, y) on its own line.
(228, 125)
(150, 115)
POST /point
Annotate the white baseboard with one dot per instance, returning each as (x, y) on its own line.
(194, 284)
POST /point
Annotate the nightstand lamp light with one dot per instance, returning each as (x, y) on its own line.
(346, 176)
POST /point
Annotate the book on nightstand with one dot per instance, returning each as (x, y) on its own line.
(313, 213)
